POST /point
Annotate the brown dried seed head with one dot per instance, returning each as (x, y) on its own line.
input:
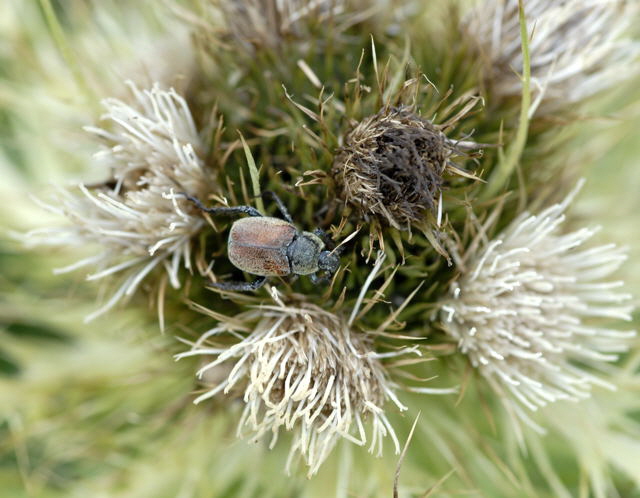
(391, 166)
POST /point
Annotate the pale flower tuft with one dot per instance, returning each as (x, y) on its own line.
(305, 370)
(523, 311)
(153, 152)
(259, 24)
(578, 47)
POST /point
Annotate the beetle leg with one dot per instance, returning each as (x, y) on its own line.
(281, 207)
(228, 211)
(315, 279)
(239, 286)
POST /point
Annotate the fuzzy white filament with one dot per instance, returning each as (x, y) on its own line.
(139, 222)
(304, 370)
(267, 23)
(523, 311)
(577, 47)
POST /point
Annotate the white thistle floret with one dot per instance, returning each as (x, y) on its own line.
(522, 311)
(305, 370)
(577, 47)
(267, 23)
(153, 153)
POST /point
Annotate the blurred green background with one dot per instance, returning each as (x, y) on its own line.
(101, 409)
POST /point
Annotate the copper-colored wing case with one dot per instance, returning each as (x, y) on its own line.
(258, 245)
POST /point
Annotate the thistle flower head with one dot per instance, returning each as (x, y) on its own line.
(267, 23)
(577, 47)
(302, 369)
(153, 152)
(391, 167)
(522, 311)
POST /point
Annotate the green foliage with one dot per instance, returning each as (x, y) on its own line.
(102, 409)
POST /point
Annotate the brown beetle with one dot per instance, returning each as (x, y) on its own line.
(271, 247)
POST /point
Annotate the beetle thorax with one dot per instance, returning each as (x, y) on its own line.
(304, 252)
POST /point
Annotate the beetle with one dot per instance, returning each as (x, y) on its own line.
(272, 247)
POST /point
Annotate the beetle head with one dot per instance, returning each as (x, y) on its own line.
(328, 262)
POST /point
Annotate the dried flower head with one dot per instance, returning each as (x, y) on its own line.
(153, 152)
(303, 369)
(391, 167)
(577, 47)
(522, 311)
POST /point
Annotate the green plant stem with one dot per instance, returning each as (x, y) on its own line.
(510, 161)
(60, 40)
